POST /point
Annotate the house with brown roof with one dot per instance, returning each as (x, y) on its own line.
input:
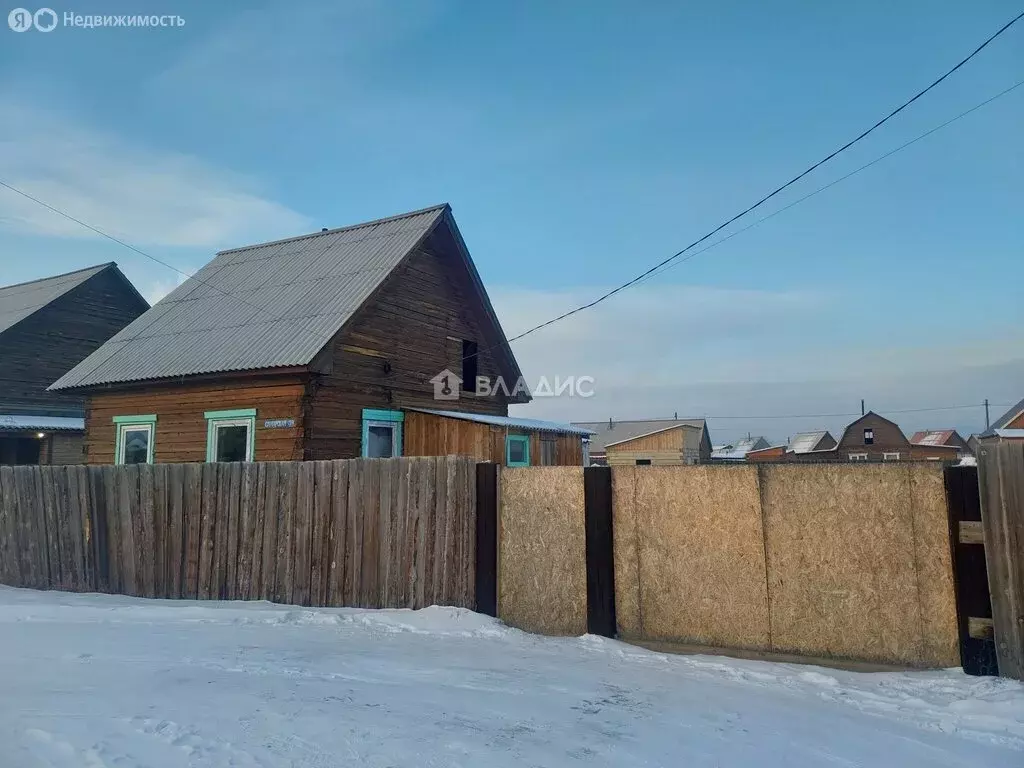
(365, 340)
(651, 441)
(803, 446)
(47, 327)
(1009, 426)
(938, 445)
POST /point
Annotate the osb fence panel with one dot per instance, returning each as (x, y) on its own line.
(382, 533)
(689, 555)
(542, 570)
(1001, 479)
(859, 562)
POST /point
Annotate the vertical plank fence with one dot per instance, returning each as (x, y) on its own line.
(1001, 478)
(376, 533)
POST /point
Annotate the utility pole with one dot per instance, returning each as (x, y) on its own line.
(862, 406)
(987, 424)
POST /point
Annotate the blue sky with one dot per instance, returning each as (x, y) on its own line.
(578, 143)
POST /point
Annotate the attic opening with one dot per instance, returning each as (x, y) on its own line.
(869, 436)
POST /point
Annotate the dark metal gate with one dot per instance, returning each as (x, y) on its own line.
(973, 603)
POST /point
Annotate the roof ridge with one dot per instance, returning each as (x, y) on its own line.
(62, 274)
(321, 233)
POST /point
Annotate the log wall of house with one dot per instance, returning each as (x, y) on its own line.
(44, 346)
(389, 351)
(181, 424)
(669, 447)
(426, 434)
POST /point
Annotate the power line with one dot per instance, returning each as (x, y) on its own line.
(831, 184)
(776, 191)
(853, 413)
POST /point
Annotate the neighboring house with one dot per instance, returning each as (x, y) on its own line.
(313, 347)
(1009, 426)
(938, 445)
(655, 441)
(873, 438)
(47, 327)
(804, 446)
(771, 453)
(738, 451)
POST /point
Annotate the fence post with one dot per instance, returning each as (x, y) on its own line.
(487, 538)
(597, 499)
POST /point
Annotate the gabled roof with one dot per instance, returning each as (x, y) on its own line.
(738, 451)
(1005, 419)
(509, 422)
(19, 301)
(868, 415)
(620, 431)
(272, 305)
(935, 438)
(809, 442)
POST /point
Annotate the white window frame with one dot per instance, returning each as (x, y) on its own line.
(858, 457)
(126, 424)
(245, 417)
(891, 456)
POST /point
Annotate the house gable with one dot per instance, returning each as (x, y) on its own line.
(887, 437)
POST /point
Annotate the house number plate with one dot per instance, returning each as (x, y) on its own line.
(279, 423)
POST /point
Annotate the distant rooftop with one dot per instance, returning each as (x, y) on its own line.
(608, 433)
(511, 422)
(19, 301)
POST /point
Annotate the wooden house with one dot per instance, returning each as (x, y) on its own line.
(655, 441)
(47, 327)
(873, 438)
(313, 347)
(1008, 427)
(938, 445)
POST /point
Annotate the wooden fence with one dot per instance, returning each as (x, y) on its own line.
(1001, 477)
(372, 533)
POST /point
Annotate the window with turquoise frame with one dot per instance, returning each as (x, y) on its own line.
(382, 433)
(517, 451)
(135, 439)
(231, 435)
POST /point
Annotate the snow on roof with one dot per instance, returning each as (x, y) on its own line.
(937, 437)
(740, 449)
(19, 421)
(804, 442)
(511, 422)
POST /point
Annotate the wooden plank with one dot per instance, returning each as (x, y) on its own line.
(192, 528)
(270, 534)
(369, 588)
(218, 565)
(425, 514)
(435, 591)
(487, 539)
(208, 529)
(450, 551)
(98, 528)
(50, 532)
(338, 533)
(74, 562)
(467, 520)
(10, 571)
(88, 532)
(144, 525)
(233, 533)
(972, 532)
(980, 628)
(258, 527)
(354, 533)
(320, 536)
(161, 531)
(127, 509)
(401, 551)
(248, 487)
(287, 489)
(174, 562)
(115, 579)
(388, 491)
(303, 528)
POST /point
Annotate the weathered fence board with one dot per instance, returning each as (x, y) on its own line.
(1001, 477)
(357, 532)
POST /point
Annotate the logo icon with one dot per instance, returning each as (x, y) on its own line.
(45, 19)
(446, 385)
(22, 19)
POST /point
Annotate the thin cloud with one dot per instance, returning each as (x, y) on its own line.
(145, 196)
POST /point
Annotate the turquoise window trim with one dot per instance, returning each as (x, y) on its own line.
(393, 418)
(525, 440)
(238, 413)
(213, 418)
(121, 423)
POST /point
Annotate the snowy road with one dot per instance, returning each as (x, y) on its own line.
(92, 680)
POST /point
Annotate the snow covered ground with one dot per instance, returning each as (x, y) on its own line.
(95, 680)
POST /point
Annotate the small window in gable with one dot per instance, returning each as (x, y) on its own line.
(869, 436)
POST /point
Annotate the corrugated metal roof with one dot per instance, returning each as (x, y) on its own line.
(264, 306)
(934, 437)
(511, 422)
(1005, 419)
(59, 423)
(805, 442)
(627, 430)
(19, 301)
(1015, 434)
(739, 450)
